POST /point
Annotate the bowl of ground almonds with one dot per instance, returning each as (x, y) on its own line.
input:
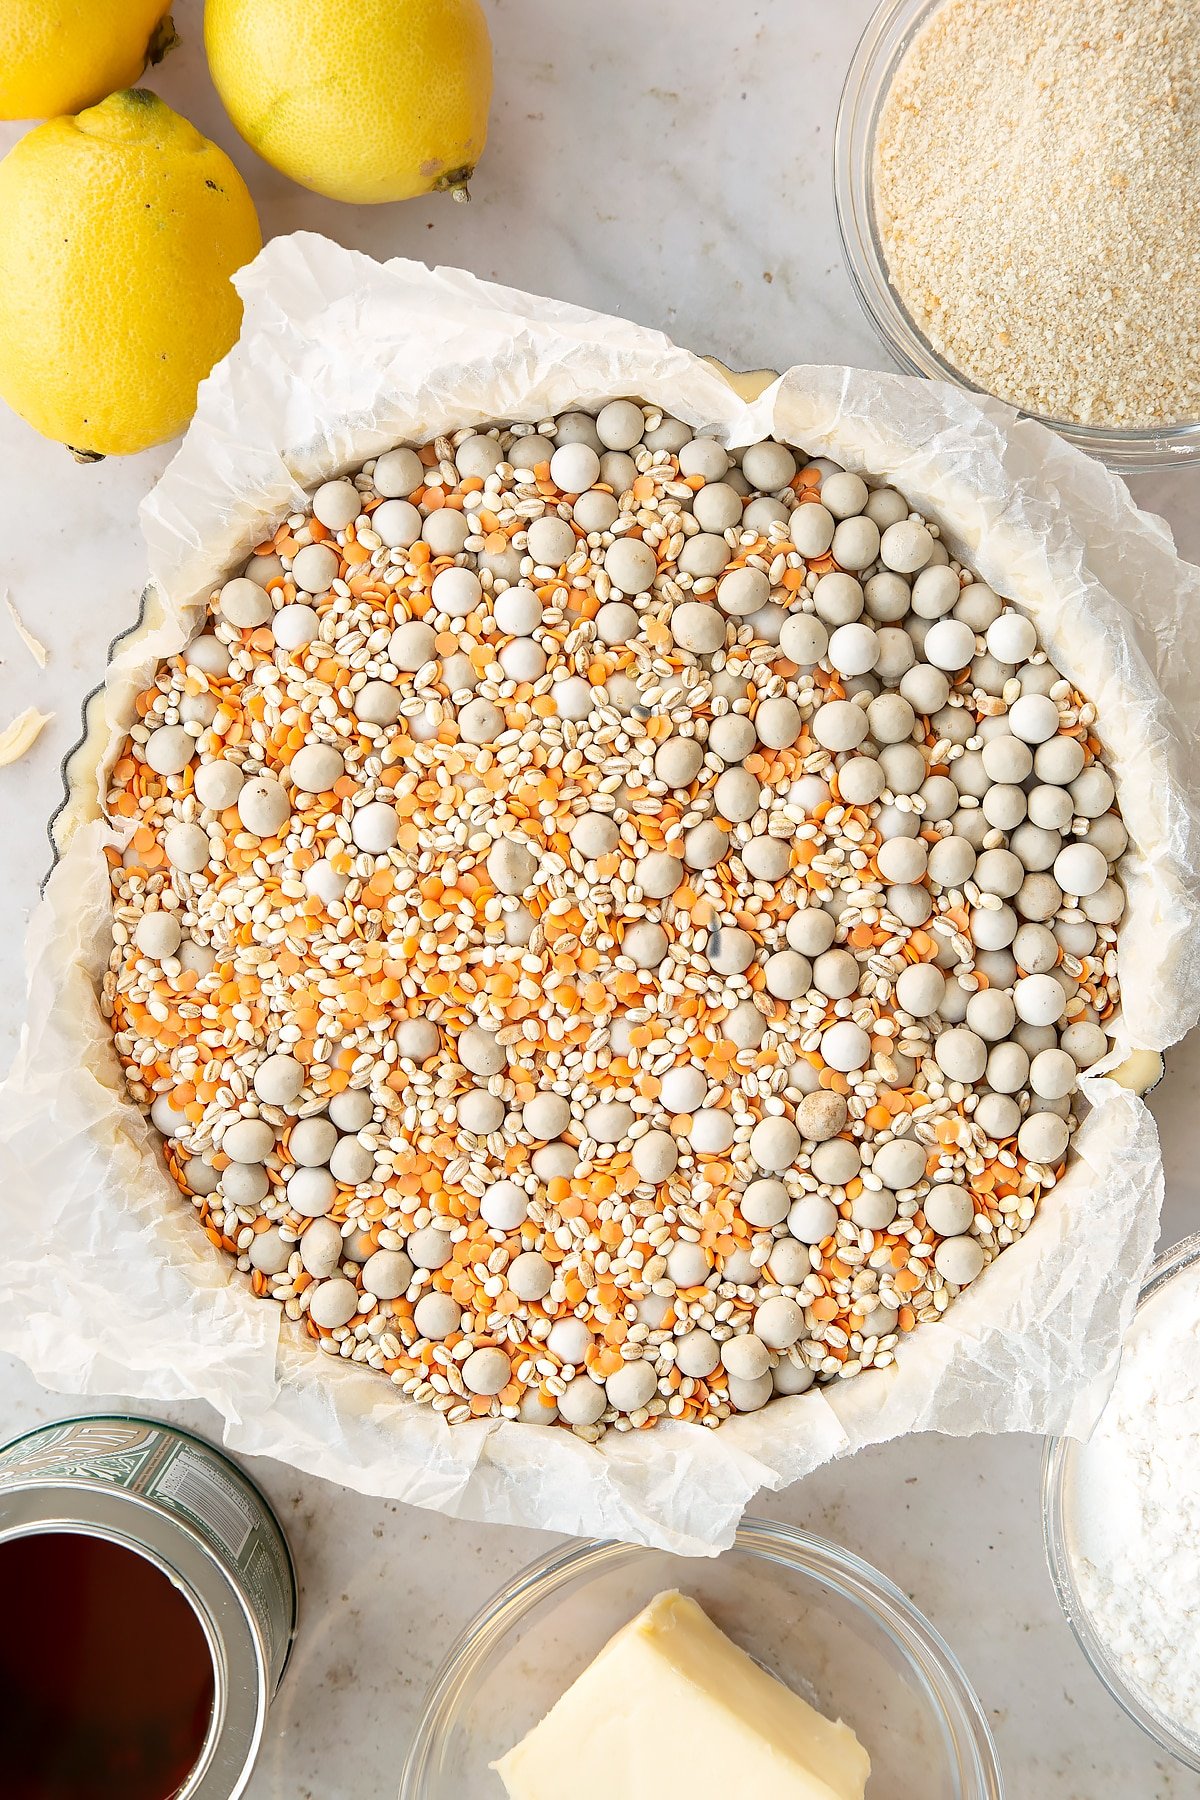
(1015, 192)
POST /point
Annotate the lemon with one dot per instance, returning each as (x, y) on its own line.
(119, 230)
(57, 56)
(362, 100)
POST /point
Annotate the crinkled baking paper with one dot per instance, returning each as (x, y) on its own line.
(107, 1283)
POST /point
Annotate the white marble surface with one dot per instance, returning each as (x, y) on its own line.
(671, 163)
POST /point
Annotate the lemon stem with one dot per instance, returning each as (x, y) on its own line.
(164, 37)
(454, 182)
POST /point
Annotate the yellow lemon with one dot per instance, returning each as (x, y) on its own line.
(57, 56)
(119, 230)
(362, 100)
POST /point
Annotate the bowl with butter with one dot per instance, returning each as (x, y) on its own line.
(787, 1668)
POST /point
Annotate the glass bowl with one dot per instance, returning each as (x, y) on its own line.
(1062, 1476)
(826, 1623)
(870, 75)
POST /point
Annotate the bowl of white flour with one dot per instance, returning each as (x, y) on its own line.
(1122, 1516)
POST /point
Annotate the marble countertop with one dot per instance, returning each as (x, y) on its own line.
(670, 163)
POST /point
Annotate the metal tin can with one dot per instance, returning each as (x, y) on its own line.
(175, 1500)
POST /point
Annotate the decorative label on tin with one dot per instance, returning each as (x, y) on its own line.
(112, 1450)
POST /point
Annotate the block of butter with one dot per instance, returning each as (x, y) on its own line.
(672, 1710)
